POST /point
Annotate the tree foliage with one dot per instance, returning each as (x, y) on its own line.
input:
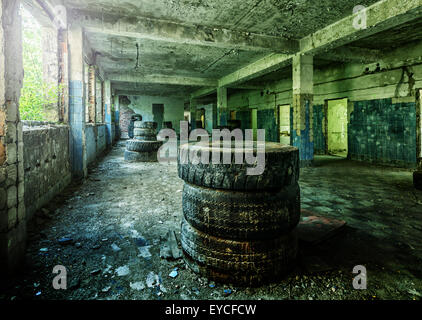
(36, 95)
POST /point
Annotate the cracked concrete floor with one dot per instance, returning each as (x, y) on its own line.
(119, 216)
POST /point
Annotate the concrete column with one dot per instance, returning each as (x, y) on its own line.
(214, 116)
(12, 206)
(117, 115)
(92, 91)
(107, 111)
(63, 76)
(193, 112)
(222, 111)
(77, 105)
(419, 128)
(50, 68)
(302, 134)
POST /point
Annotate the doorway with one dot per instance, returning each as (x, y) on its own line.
(158, 115)
(254, 123)
(284, 121)
(337, 139)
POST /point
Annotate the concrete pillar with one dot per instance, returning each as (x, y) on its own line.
(214, 116)
(419, 128)
(92, 91)
(117, 115)
(49, 37)
(77, 105)
(63, 76)
(193, 112)
(222, 110)
(107, 111)
(302, 134)
(12, 206)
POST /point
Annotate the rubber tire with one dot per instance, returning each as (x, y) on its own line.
(144, 132)
(281, 169)
(143, 146)
(417, 179)
(131, 156)
(146, 138)
(242, 215)
(146, 125)
(244, 263)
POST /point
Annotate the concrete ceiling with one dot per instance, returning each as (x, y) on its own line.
(287, 19)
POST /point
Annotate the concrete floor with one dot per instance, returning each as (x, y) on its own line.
(119, 216)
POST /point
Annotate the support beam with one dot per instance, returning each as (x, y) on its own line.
(158, 30)
(381, 16)
(302, 134)
(77, 105)
(63, 76)
(12, 188)
(268, 64)
(419, 127)
(222, 111)
(352, 54)
(193, 104)
(92, 90)
(162, 79)
(107, 110)
(117, 114)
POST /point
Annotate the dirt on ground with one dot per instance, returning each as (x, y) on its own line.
(108, 230)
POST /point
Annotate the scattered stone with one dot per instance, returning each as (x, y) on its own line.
(44, 250)
(170, 249)
(227, 292)
(105, 290)
(65, 241)
(152, 280)
(96, 247)
(95, 272)
(115, 247)
(144, 252)
(122, 271)
(174, 273)
(139, 286)
(78, 245)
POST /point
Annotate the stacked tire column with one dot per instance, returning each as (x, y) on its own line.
(144, 146)
(239, 228)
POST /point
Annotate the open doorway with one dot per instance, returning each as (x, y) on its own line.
(158, 115)
(254, 123)
(419, 127)
(337, 139)
(284, 121)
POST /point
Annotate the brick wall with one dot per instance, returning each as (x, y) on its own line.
(46, 164)
(124, 121)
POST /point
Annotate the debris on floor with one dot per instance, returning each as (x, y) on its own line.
(170, 249)
(314, 229)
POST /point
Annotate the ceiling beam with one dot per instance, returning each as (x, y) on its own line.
(352, 54)
(153, 29)
(381, 16)
(162, 79)
(268, 64)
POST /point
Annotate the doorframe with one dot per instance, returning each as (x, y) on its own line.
(419, 127)
(349, 108)
(278, 121)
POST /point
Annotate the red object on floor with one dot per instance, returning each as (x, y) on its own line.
(315, 228)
